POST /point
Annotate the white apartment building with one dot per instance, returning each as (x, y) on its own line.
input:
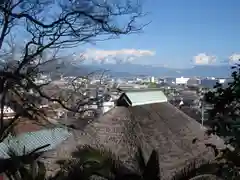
(181, 81)
(222, 81)
(107, 106)
(152, 80)
(8, 113)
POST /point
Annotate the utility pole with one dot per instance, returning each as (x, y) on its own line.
(202, 108)
(202, 112)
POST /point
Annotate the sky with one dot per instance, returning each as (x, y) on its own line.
(182, 33)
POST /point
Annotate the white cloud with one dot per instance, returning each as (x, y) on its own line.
(234, 58)
(115, 56)
(203, 59)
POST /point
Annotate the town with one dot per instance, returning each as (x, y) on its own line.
(119, 90)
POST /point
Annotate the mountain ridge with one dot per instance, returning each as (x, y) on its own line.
(222, 71)
(126, 70)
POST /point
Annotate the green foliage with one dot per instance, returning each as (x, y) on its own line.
(198, 169)
(224, 118)
(152, 85)
(91, 162)
(35, 171)
(224, 121)
(26, 167)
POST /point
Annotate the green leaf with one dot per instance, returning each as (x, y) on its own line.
(41, 171)
(197, 169)
(25, 173)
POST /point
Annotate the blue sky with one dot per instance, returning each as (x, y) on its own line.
(183, 29)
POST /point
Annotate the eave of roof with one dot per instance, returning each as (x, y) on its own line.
(137, 98)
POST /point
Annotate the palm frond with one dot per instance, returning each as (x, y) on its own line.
(88, 154)
(140, 160)
(23, 167)
(89, 161)
(152, 170)
(103, 159)
(231, 156)
(41, 171)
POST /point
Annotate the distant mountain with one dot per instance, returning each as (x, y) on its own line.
(207, 71)
(135, 69)
(66, 69)
(123, 70)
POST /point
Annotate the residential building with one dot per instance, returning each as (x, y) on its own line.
(8, 112)
(152, 80)
(193, 82)
(209, 83)
(182, 81)
(221, 81)
(170, 80)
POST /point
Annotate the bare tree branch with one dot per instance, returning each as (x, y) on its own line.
(38, 31)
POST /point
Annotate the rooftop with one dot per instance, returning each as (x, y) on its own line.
(141, 97)
(158, 126)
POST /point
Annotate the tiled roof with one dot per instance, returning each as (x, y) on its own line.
(30, 141)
